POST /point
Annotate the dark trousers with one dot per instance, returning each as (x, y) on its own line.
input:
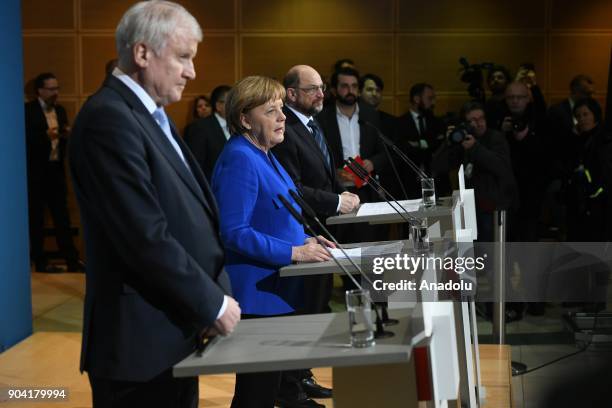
(50, 192)
(256, 390)
(162, 391)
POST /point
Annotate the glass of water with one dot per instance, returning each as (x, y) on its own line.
(428, 189)
(420, 235)
(359, 306)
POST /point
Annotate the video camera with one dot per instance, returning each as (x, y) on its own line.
(474, 77)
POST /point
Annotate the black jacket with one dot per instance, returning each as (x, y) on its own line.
(38, 143)
(155, 263)
(206, 140)
(302, 158)
(487, 169)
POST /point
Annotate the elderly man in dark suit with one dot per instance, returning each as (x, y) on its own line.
(207, 136)
(156, 282)
(46, 135)
(305, 155)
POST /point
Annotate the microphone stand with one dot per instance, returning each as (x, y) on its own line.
(391, 161)
(380, 190)
(397, 150)
(380, 332)
(310, 212)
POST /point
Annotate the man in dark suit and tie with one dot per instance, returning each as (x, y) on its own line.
(46, 135)
(156, 282)
(206, 137)
(420, 134)
(305, 155)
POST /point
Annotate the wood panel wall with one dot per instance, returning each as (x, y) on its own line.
(403, 41)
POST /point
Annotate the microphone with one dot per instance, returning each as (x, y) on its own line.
(380, 331)
(380, 190)
(395, 172)
(396, 149)
(310, 212)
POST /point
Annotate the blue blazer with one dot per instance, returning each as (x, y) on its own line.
(257, 231)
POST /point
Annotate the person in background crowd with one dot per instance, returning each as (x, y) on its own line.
(561, 129)
(523, 124)
(485, 154)
(207, 135)
(371, 87)
(47, 132)
(420, 134)
(498, 79)
(330, 98)
(589, 176)
(202, 108)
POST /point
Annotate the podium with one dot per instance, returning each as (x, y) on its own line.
(381, 375)
(443, 210)
(450, 325)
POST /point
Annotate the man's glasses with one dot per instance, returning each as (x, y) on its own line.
(311, 90)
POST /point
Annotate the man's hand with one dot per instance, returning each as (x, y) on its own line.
(507, 124)
(468, 142)
(521, 135)
(368, 165)
(53, 133)
(344, 175)
(229, 319)
(327, 242)
(348, 202)
(526, 76)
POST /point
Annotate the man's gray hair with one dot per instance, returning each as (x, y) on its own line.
(152, 23)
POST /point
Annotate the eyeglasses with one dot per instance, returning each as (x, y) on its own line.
(53, 89)
(311, 90)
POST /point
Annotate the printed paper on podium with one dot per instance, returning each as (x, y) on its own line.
(383, 207)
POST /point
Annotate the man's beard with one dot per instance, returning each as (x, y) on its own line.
(50, 102)
(348, 100)
(311, 110)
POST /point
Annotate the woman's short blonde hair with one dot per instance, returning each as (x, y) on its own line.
(249, 93)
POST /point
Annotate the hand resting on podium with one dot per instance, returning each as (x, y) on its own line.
(312, 251)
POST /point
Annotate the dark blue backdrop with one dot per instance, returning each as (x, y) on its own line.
(15, 295)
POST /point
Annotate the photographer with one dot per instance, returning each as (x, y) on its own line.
(485, 155)
(523, 125)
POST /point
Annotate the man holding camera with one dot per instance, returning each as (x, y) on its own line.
(485, 155)
(523, 125)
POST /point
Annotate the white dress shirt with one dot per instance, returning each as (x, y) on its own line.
(223, 124)
(52, 123)
(349, 132)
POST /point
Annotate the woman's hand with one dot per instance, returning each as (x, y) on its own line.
(309, 252)
(327, 242)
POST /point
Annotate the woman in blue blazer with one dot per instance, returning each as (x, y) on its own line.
(259, 234)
